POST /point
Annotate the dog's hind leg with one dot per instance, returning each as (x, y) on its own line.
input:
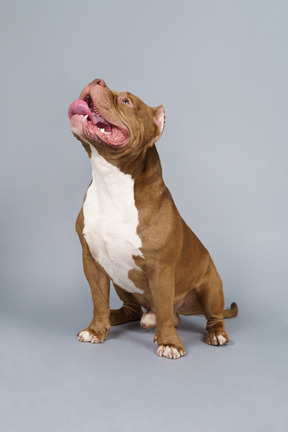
(130, 310)
(148, 320)
(211, 298)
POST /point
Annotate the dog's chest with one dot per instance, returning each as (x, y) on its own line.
(111, 220)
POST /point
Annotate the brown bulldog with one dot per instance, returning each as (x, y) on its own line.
(131, 231)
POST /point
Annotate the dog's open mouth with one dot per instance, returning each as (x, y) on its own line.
(95, 126)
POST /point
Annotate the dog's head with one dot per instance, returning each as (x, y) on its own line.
(115, 123)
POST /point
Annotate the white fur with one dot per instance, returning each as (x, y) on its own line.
(148, 319)
(169, 352)
(85, 336)
(222, 340)
(111, 220)
(219, 340)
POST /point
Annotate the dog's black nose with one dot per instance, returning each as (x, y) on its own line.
(98, 81)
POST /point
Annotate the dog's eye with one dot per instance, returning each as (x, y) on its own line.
(126, 101)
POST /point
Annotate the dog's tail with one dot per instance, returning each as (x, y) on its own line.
(232, 312)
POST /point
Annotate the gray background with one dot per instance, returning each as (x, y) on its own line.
(220, 70)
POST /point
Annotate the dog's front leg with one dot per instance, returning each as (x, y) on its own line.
(162, 286)
(99, 283)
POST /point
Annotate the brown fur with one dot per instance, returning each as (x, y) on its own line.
(177, 273)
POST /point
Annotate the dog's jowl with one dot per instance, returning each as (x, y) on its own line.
(131, 231)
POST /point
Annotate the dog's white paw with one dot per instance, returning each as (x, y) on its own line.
(220, 339)
(86, 336)
(217, 338)
(148, 320)
(169, 352)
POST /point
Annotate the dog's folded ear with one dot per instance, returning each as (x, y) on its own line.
(159, 120)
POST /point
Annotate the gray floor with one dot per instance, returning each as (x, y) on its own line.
(51, 382)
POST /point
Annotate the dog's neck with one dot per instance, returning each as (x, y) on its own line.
(144, 163)
(107, 177)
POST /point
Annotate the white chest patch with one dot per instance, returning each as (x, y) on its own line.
(111, 220)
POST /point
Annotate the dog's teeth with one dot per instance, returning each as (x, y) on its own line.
(86, 116)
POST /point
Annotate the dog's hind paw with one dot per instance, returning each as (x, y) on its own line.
(170, 352)
(148, 320)
(217, 338)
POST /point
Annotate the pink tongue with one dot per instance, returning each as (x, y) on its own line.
(81, 107)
